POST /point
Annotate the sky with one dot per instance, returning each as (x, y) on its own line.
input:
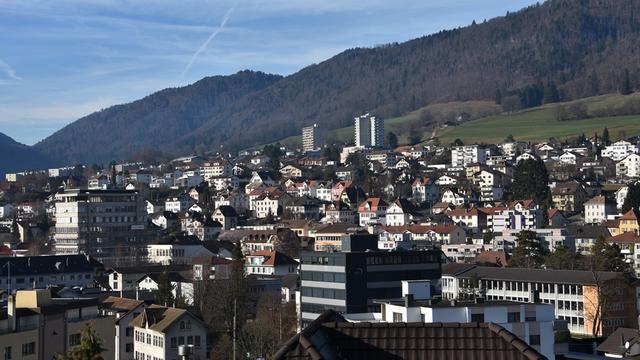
(63, 59)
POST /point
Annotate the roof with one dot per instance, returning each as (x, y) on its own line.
(373, 204)
(498, 258)
(625, 237)
(227, 211)
(529, 275)
(274, 258)
(615, 343)
(332, 337)
(629, 215)
(120, 303)
(159, 318)
(38, 265)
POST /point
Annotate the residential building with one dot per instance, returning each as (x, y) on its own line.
(227, 216)
(102, 223)
(372, 211)
(461, 156)
(310, 138)
(369, 131)
(124, 310)
(629, 167)
(181, 288)
(400, 212)
(159, 331)
(620, 150)
(598, 209)
(569, 196)
(32, 272)
(216, 169)
(574, 294)
(40, 326)
(270, 262)
(425, 190)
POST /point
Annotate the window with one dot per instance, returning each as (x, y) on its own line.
(197, 341)
(190, 340)
(128, 331)
(534, 339)
(148, 338)
(513, 317)
(174, 342)
(477, 318)
(7, 352)
(397, 317)
(181, 325)
(181, 340)
(128, 347)
(29, 348)
(74, 339)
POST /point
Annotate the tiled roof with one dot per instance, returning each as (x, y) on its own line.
(38, 265)
(331, 337)
(615, 343)
(629, 215)
(374, 204)
(530, 275)
(120, 303)
(625, 237)
(498, 258)
(159, 318)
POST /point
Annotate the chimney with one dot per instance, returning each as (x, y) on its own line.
(11, 313)
(408, 300)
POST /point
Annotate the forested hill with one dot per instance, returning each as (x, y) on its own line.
(579, 47)
(18, 157)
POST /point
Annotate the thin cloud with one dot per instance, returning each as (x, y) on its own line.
(209, 39)
(8, 70)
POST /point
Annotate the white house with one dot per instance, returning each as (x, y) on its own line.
(629, 166)
(270, 262)
(400, 212)
(182, 288)
(597, 209)
(425, 190)
(124, 310)
(159, 330)
(620, 150)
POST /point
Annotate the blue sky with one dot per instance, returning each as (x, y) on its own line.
(63, 59)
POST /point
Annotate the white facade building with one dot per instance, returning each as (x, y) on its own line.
(369, 131)
(619, 150)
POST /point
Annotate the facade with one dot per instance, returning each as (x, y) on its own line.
(349, 281)
(575, 295)
(38, 326)
(629, 166)
(123, 310)
(310, 138)
(102, 223)
(29, 272)
(369, 131)
(597, 209)
(619, 150)
(159, 331)
(462, 156)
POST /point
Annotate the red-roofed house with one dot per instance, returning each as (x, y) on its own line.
(372, 211)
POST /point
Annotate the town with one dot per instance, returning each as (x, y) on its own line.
(262, 253)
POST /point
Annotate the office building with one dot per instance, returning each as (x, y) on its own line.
(369, 131)
(348, 281)
(311, 138)
(107, 224)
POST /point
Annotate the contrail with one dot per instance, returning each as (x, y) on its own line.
(9, 70)
(211, 37)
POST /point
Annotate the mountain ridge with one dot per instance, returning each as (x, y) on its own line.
(580, 46)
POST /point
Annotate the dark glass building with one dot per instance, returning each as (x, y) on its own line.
(349, 281)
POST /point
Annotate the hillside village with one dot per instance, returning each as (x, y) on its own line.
(551, 227)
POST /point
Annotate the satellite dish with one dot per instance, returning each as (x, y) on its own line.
(627, 345)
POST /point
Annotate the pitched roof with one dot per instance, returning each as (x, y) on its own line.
(615, 343)
(158, 317)
(331, 337)
(50, 264)
(629, 215)
(498, 258)
(373, 204)
(625, 237)
(274, 258)
(120, 303)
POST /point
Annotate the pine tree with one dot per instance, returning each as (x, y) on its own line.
(528, 253)
(530, 181)
(632, 201)
(551, 94)
(392, 140)
(625, 88)
(605, 137)
(164, 294)
(90, 346)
